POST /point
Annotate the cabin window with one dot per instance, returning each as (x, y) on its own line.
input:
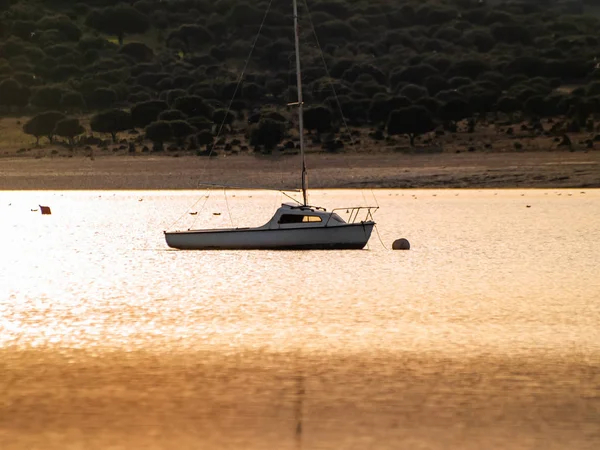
(311, 219)
(297, 218)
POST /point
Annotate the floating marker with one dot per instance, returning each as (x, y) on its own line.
(401, 244)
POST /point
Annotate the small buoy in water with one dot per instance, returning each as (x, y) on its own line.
(401, 244)
(45, 209)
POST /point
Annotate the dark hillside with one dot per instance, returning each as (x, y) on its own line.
(172, 68)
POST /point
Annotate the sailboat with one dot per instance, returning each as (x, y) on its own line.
(293, 226)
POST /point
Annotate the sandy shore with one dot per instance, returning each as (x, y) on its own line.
(560, 169)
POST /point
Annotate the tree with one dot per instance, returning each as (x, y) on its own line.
(223, 118)
(61, 23)
(276, 87)
(180, 129)
(193, 37)
(508, 106)
(414, 74)
(318, 118)
(43, 125)
(12, 93)
(102, 98)
(144, 113)
(205, 137)
(194, 106)
(138, 51)
(412, 121)
(430, 104)
(200, 123)
(118, 20)
(69, 128)
(171, 114)
(174, 94)
(382, 106)
(112, 122)
(253, 92)
(454, 111)
(536, 106)
(354, 111)
(47, 97)
(268, 133)
(159, 132)
(413, 92)
(72, 102)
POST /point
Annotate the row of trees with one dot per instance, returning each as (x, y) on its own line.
(453, 58)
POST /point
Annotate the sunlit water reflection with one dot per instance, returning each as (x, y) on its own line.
(484, 335)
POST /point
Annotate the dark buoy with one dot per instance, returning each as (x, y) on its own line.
(401, 244)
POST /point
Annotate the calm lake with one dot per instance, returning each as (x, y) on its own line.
(485, 335)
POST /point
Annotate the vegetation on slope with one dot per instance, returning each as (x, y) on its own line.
(398, 67)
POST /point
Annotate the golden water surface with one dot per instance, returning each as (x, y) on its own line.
(485, 335)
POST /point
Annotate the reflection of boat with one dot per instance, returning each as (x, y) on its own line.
(298, 226)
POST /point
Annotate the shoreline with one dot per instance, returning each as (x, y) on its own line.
(345, 170)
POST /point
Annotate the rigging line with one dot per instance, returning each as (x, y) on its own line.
(378, 235)
(337, 100)
(227, 204)
(199, 212)
(274, 208)
(186, 211)
(290, 197)
(237, 87)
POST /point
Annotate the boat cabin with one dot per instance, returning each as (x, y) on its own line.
(300, 216)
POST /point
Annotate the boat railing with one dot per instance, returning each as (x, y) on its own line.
(357, 211)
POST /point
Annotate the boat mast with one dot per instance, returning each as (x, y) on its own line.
(300, 103)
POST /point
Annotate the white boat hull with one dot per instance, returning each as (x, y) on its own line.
(343, 236)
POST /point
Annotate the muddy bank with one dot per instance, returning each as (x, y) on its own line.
(560, 169)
